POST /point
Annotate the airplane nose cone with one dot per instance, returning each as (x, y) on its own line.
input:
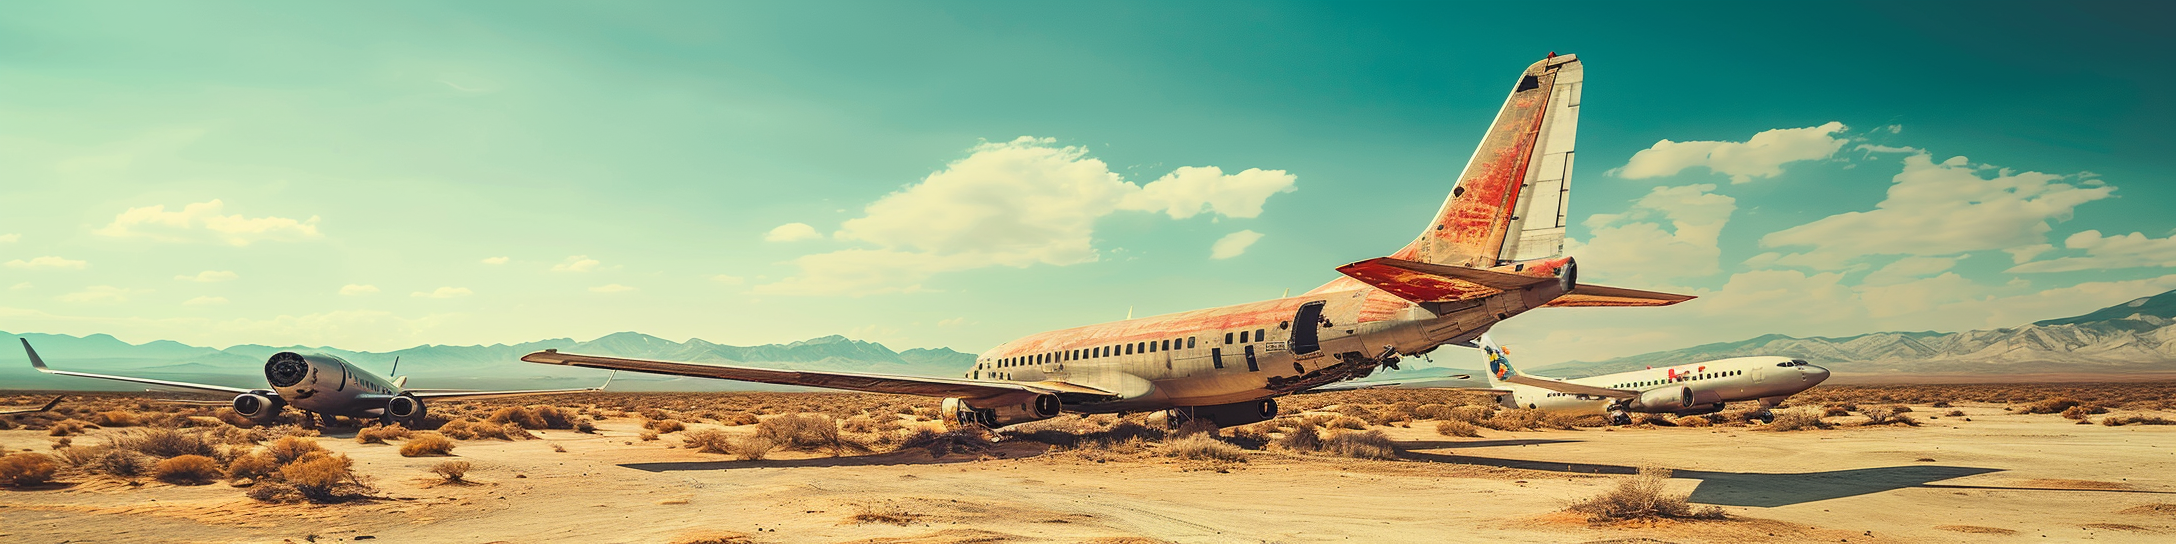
(1814, 374)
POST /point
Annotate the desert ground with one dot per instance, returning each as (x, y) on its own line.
(1966, 464)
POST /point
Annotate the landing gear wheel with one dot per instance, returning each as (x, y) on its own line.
(1620, 418)
(1766, 416)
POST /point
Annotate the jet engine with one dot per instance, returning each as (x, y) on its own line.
(1223, 415)
(958, 412)
(258, 406)
(404, 408)
(1666, 399)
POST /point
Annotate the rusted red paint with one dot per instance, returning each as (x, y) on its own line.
(1415, 286)
(1470, 229)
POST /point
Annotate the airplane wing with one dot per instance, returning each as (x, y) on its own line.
(469, 394)
(48, 407)
(851, 381)
(39, 364)
(1583, 296)
(1425, 282)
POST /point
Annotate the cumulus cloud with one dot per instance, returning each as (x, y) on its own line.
(20, 286)
(1234, 244)
(792, 232)
(2134, 250)
(48, 262)
(10, 238)
(1761, 156)
(357, 289)
(444, 292)
(1018, 203)
(495, 260)
(202, 221)
(611, 288)
(205, 301)
(1907, 269)
(102, 294)
(1668, 234)
(576, 263)
(1941, 208)
(210, 276)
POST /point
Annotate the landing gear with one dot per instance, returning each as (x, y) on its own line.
(1766, 416)
(1619, 417)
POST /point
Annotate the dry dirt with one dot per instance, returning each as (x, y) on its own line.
(2000, 477)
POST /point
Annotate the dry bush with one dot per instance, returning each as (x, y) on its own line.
(664, 426)
(809, 432)
(1642, 497)
(1451, 427)
(187, 470)
(68, 427)
(1203, 447)
(744, 418)
(1955, 413)
(1302, 438)
(1838, 410)
(1194, 427)
(1886, 415)
(1692, 421)
(2118, 421)
(273, 492)
(518, 415)
(585, 426)
(459, 429)
(1525, 419)
(1433, 411)
(964, 441)
(452, 471)
(2052, 405)
(707, 441)
(1472, 413)
(119, 463)
(164, 443)
(320, 478)
(427, 443)
(378, 435)
(750, 448)
(27, 469)
(117, 418)
(1797, 420)
(1361, 445)
(289, 448)
(648, 435)
(254, 465)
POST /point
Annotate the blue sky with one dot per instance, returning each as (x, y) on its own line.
(380, 176)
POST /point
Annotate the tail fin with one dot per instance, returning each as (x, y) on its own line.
(1510, 202)
(1499, 364)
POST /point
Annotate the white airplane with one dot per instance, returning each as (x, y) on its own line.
(1492, 251)
(323, 385)
(1684, 390)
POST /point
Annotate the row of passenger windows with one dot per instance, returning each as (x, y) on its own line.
(1687, 377)
(1121, 349)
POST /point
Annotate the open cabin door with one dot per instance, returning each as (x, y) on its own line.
(1306, 329)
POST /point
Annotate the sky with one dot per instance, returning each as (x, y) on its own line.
(923, 174)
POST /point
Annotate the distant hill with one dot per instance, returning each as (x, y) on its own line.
(2133, 338)
(442, 366)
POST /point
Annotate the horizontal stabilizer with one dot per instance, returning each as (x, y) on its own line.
(1602, 295)
(1424, 282)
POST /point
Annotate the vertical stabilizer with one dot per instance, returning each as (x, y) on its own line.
(1510, 202)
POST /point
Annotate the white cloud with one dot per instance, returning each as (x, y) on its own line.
(209, 276)
(1907, 269)
(357, 289)
(1234, 244)
(611, 288)
(1761, 156)
(445, 292)
(1016, 203)
(205, 301)
(48, 262)
(729, 279)
(19, 286)
(202, 220)
(792, 232)
(576, 263)
(495, 260)
(1939, 209)
(2133, 250)
(10, 238)
(1633, 247)
(102, 294)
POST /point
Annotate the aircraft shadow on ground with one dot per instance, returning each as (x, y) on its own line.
(886, 459)
(1760, 489)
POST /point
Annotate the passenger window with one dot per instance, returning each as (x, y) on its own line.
(1165, 343)
(1189, 342)
(1258, 335)
(1227, 338)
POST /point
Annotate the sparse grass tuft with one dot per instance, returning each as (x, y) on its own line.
(117, 418)
(2118, 421)
(664, 426)
(289, 448)
(966, 441)
(187, 470)
(27, 469)
(1360, 445)
(426, 443)
(452, 472)
(1457, 428)
(1203, 447)
(1797, 420)
(707, 441)
(321, 478)
(1642, 497)
(378, 435)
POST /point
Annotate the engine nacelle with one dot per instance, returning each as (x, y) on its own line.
(1666, 399)
(404, 408)
(1223, 415)
(258, 406)
(959, 412)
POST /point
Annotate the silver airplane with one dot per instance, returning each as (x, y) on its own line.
(1492, 251)
(322, 385)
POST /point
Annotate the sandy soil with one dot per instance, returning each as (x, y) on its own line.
(1996, 478)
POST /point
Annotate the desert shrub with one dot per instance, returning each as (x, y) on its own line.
(1901, 409)
(1302, 438)
(585, 426)
(452, 471)
(2051, 405)
(664, 426)
(1433, 411)
(163, 443)
(707, 441)
(68, 427)
(1692, 421)
(2118, 421)
(1361, 445)
(1194, 427)
(1516, 419)
(1797, 420)
(1203, 447)
(27, 469)
(459, 429)
(526, 418)
(426, 443)
(320, 477)
(1472, 413)
(273, 492)
(187, 470)
(1836, 410)
(1886, 415)
(1346, 422)
(1452, 427)
(1939, 404)
(120, 462)
(1955, 413)
(203, 422)
(1642, 497)
(808, 432)
(965, 441)
(289, 448)
(378, 435)
(750, 448)
(648, 435)
(254, 465)
(116, 418)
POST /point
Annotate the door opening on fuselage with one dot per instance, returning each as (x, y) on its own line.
(1306, 325)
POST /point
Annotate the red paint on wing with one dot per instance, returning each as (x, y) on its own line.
(1414, 286)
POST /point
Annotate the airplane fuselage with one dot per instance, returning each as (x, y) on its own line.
(328, 385)
(1712, 383)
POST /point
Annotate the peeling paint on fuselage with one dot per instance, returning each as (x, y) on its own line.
(337, 387)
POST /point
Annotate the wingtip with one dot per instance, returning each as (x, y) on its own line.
(35, 362)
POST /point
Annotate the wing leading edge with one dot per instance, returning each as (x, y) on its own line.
(470, 394)
(39, 364)
(851, 381)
